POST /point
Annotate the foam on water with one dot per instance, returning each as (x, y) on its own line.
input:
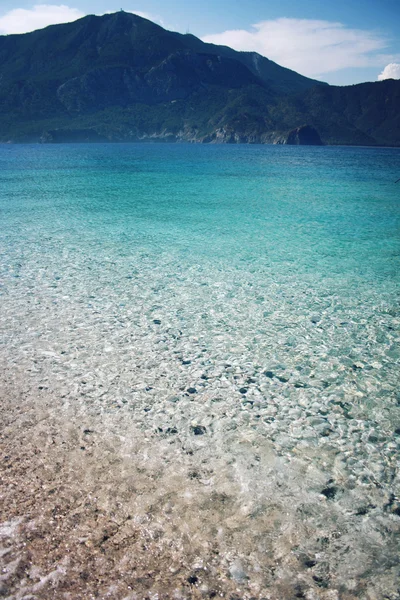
(236, 308)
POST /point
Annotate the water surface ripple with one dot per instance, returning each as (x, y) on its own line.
(205, 340)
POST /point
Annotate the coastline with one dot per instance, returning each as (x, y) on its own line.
(183, 142)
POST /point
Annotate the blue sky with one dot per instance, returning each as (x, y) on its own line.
(341, 42)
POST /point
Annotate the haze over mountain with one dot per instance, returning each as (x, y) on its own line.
(120, 77)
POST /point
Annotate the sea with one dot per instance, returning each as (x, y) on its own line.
(224, 320)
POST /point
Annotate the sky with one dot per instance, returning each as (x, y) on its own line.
(342, 42)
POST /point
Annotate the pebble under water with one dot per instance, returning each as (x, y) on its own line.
(199, 366)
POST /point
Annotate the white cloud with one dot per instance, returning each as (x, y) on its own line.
(21, 20)
(307, 46)
(391, 71)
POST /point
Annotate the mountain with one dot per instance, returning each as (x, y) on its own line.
(120, 77)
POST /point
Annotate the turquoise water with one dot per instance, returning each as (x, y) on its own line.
(264, 278)
(330, 211)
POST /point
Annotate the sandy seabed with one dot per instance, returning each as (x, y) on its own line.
(157, 444)
(93, 509)
(185, 497)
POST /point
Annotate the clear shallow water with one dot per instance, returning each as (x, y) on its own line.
(262, 279)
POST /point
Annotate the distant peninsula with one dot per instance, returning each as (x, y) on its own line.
(122, 78)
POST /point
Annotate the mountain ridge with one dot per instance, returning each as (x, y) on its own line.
(120, 77)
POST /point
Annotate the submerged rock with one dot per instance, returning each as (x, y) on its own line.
(199, 429)
(329, 492)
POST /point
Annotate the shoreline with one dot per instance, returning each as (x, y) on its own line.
(191, 143)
